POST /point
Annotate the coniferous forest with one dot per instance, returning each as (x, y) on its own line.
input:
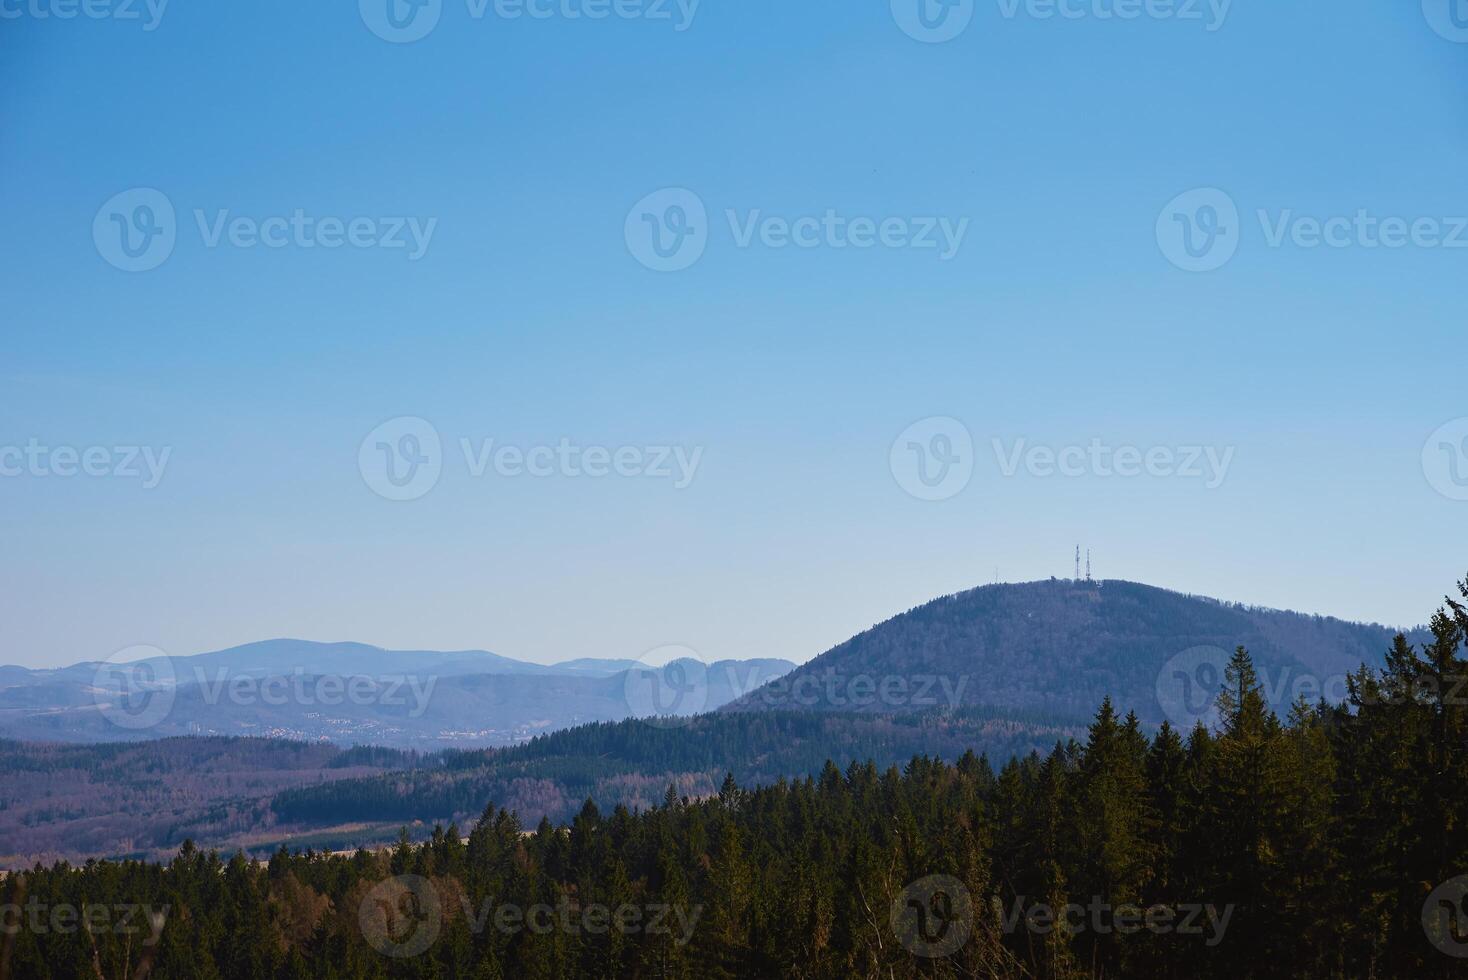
(1327, 843)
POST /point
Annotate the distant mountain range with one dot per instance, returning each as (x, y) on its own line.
(1060, 646)
(353, 693)
(1051, 649)
(1000, 669)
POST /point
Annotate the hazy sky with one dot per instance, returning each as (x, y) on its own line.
(1042, 158)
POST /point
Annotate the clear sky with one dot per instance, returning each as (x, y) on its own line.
(529, 311)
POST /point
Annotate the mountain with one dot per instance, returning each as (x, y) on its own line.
(1026, 665)
(353, 693)
(267, 658)
(284, 656)
(1005, 670)
(1060, 646)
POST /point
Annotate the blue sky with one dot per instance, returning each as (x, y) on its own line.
(1061, 320)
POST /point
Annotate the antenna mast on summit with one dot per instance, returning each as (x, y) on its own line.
(1078, 563)
(1088, 564)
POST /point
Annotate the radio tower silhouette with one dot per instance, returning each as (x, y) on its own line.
(1088, 564)
(1078, 563)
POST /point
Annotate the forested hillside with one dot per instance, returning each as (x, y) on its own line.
(144, 799)
(631, 763)
(1328, 844)
(1060, 646)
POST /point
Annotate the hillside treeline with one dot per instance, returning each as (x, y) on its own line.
(632, 762)
(1328, 843)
